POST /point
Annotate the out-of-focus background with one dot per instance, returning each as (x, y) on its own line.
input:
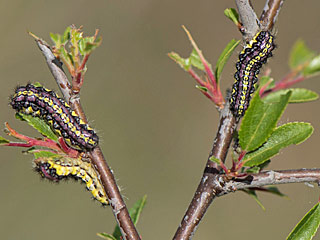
(156, 129)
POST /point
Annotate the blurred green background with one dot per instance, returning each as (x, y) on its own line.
(156, 129)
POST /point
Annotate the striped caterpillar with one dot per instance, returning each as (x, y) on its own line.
(251, 58)
(63, 168)
(45, 104)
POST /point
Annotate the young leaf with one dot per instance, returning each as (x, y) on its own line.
(232, 14)
(313, 67)
(196, 61)
(283, 136)
(264, 80)
(106, 236)
(275, 191)
(44, 154)
(253, 194)
(183, 62)
(225, 55)
(38, 124)
(134, 212)
(299, 95)
(214, 159)
(308, 226)
(3, 140)
(300, 54)
(259, 121)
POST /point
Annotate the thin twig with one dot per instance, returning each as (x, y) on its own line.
(117, 204)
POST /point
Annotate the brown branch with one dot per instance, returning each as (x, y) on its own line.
(117, 204)
(211, 183)
(270, 13)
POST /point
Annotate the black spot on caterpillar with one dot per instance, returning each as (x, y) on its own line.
(63, 168)
(45, 104)
(251, 58)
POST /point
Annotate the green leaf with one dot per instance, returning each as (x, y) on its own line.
(260, 120)
(3, 140)
(313, 67)
(299, 95)
(264, 80)
(283, 136)
(44, 154)
(134, 212)
(202, 89)
(225, 55)
(66, 35)
(308, 226)
(214, 159)
(38, 124)
(88, 44)
(275, 191)
(106, 236)
(56, 39)
(252, 193)
(300, 54)
(258, 168)
(183, 62)
(232, 15)
(196, 61)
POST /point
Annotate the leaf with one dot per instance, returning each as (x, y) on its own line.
(214, 159)
(275, 191)
(44, 154)
(252, 193)
(313, 67)
(300, 54)
(264, 80)
(260, 120)
(308, 226)
(3, 140)
(134, 212)
(88, 44)
(56, 39)
(224, 57)
(196, 61)
(299, 95)
(202, 89)
(258, 168)
(283, 136)
(106, 236)
(66, 35)
(38, 124)
(232, 14)
(183, 62)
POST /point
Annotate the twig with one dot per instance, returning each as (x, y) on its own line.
(119, 208)
(271, 178)
(212, 181)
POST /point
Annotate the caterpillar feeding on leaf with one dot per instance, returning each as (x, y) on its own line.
(251, 58)
(45, 104)
(63, 168)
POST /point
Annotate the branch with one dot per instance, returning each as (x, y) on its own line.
(271, 178)
(211, 181)
(117, 204)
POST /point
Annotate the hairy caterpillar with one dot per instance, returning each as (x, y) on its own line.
(57, 169)
(45, 104)
(251, 58)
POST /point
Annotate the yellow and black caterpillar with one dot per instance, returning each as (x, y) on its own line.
(251, 58)
(45, 104)
(62, 168)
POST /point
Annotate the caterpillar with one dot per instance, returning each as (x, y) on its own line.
(251, 58)
(47, 105)
(63, 168)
